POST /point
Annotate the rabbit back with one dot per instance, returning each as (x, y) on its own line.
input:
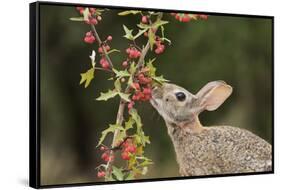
(220, 150)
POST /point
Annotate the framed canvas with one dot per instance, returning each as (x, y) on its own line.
(122, 94)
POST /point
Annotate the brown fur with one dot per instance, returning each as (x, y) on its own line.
(208, 150)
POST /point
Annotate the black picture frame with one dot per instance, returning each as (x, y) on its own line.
(34, 98)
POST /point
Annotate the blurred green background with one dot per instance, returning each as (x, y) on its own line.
(237, 50)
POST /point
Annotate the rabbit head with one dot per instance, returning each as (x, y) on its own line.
(177, 105)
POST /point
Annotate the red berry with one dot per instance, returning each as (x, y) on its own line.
(101, 174)
(105, 157)
(107, 47)
(93, 21)
(128, 50)
(131, 105)
(144, 19)
(125, 64)
(100, 50)
(102, 148)
(89, 39)
(88, 34)
(81, 11)
(147, 91)
(125, 156)
(132, 149)
(109, 38)
(145, 34)
(204, 17)
(186, 18)
(92, 10)
(79, 8)
(177, 17)
(136, 86)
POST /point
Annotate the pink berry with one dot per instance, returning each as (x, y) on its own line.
(131, 105)
(101, 174)
(144, 19)
(109, 38)
(186, 18)
(125, 156)
(125, 64)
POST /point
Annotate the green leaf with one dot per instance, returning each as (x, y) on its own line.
(110, 129)
(152, 69)
(124, 96)
(140, 33)
(121, 74)
(107, 95)
(135, 116)
(117, 172)
(77, 19)
(124, 13)
(87, 77)
(128, 33)
(151, 39)
(133, 68)
(129, 176)
(86, 13)
(117, 85)
(160, 79)
(129, 124)
(159, 23)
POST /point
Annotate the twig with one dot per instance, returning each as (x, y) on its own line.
(101, 45)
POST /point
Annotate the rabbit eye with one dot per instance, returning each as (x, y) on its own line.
(180, 96)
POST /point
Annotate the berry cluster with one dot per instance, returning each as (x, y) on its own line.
(89, 37)
(159, 46)
(183, 17)
(93, 17)
(104, 47)
(141, 87)
(128, 149)
(133, 52)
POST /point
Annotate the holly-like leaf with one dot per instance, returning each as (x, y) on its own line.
(124, 13)
(77, 19)
(129, 124)
(140, 33)
(159, 23)
(117, 85)
(124, 96)
(135, 116)
(87, 77)
(129, 176)
(121, 74)
(117, 172)
(159, 79)
(133, 68)
(151, 38)
(152, 69)
(128, 33)
(110, 129)
(107, 95)
(86, 14)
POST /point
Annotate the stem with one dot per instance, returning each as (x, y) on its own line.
(119, 118)
(100, 44)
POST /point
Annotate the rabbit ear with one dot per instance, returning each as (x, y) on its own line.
(213, 94)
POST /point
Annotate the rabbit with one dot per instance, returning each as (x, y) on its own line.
(208, 150)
